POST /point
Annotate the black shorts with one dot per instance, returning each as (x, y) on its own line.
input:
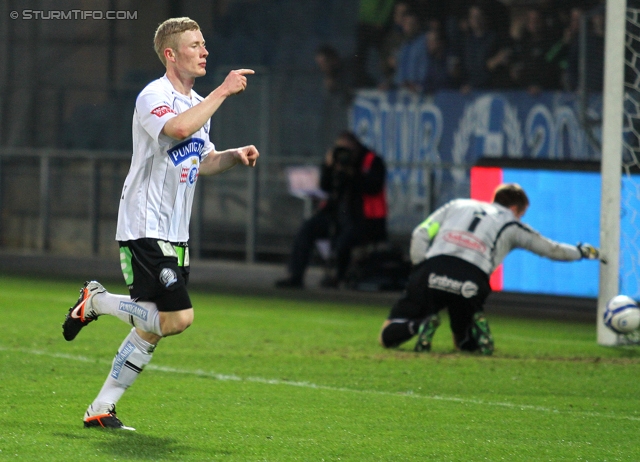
(157, 271)
(444, 282)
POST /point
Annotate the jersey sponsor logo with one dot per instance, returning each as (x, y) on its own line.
(162, 110)
(469, 289)
(121, 358)
(444, 283)
(167, 249)
(192, 147)
(168, 277)
(466, 240)
(189, 173)
(134, 310)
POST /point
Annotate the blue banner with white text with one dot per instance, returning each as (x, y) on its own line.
(430, 142)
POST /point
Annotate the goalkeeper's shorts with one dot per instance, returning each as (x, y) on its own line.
(444, 282)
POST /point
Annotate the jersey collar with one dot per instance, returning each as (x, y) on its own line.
(177, 94)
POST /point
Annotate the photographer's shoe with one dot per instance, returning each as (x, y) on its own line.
(289, 283)
(330, 282)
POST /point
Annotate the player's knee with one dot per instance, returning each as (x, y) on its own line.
(394, 334)
(381, 341)
(175, 322)
(174, 328)
(184, 322)
(183, 325)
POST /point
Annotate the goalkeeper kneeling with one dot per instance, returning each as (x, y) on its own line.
(454, 251)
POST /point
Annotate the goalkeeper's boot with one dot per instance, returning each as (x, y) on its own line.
(481, 333)
(82, 312)
(106, 419)
(425, 332)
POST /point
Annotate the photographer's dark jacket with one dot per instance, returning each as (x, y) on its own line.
(358, 198)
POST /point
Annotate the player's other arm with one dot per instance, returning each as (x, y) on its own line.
(423, 234)
(190, 121)
(219, 161)
(546, 247)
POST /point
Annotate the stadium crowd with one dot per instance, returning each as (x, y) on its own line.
(426, 45)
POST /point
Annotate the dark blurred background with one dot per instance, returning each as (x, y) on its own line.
(68, 87)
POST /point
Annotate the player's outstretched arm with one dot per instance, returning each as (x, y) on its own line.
(190, 121)
(219, 161)
(545, 247)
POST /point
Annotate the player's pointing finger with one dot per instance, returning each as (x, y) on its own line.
(244, 71)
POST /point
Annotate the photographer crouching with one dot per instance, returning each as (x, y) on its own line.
(354, 213)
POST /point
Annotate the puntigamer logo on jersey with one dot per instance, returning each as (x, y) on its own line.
(188, 148)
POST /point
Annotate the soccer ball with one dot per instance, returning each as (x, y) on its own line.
(622, 314)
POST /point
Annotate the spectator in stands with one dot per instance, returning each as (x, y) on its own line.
(453, 252)
(411, 59)
(498, 17)
(441, 72)
(336, 80)
(430, 12)
(482, 54)
(392, 43)
(336, 95)
(559, 53)
(555, 14)
(354, 213)
(532, 68)
(594, 57)
(456, 20)
(371, 28)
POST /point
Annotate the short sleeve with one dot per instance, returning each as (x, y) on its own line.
(153, 112)
(209, 147)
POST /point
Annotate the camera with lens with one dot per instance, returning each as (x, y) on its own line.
(343, 157)
(344, 160)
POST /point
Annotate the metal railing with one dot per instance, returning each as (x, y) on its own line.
(65, 202)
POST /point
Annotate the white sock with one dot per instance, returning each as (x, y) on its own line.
(143, 315)
(132, 356)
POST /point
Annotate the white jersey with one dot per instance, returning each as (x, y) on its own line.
(482, 234)
(158, 192)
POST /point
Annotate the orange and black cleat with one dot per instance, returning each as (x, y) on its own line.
(106, 420)
(81, 313)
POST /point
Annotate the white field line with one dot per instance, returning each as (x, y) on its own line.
(408, 394)
(557, 341)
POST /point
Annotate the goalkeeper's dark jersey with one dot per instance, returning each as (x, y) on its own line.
(482, 234)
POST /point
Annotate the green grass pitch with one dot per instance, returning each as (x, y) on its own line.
(266, 379)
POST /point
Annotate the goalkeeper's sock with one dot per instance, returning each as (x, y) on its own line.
(133, 355)
(398, 332)
(143, 315)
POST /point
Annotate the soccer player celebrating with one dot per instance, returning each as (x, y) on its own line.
(453, 252)
(171, 148)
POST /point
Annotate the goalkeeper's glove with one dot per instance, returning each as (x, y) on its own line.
(588, 251)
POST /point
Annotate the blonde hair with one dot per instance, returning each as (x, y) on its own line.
(168, 32)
